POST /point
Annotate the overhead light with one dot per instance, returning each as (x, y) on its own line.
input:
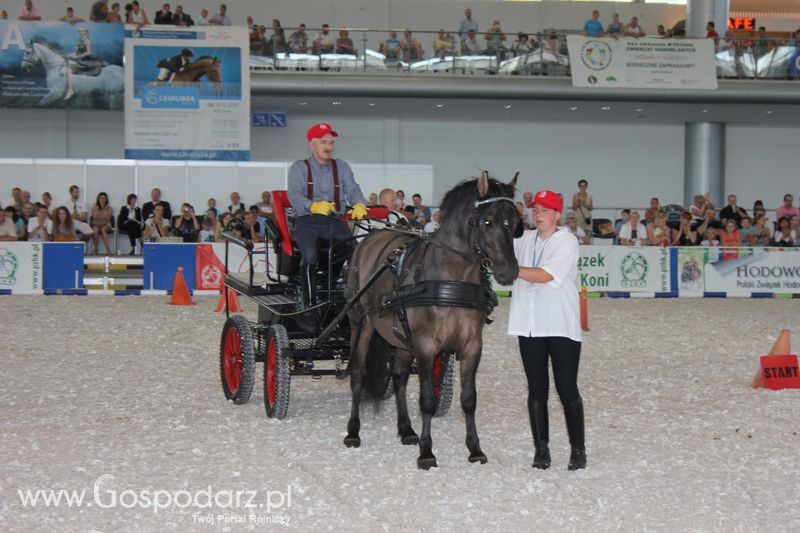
(605, 108)
(768, 111)
(704, 110)
(507, 106)
(639, 109)
(573, 108)
(372, 104)
(440, 106)
(336, 102)
(303, 103)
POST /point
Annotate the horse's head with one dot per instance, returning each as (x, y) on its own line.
(496, 223)
(30, 58)
(214, 72)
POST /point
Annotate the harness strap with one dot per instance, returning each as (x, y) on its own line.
(310, 182)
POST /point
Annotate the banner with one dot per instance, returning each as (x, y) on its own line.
(624, 268)
(42, 64)
(643, 63)
(187, 94)
(21, 266)
(732, 270)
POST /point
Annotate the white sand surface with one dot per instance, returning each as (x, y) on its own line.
(127, 391)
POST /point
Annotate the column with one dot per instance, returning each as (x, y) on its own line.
(699, 12)
(704, 161)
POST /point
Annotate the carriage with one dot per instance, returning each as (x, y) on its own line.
(290, 339)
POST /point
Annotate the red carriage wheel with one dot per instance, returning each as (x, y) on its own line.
(277, 372)
(237, 359)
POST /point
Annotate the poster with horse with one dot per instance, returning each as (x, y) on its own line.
(61, 65)
(187, 94)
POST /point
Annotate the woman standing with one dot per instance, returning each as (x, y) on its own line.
(583, 206)
(545, 316)
(102, 218)
(130, 221)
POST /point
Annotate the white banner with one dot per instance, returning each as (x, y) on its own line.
(187, 93)
(624, 268)
(21, 266)
(642, 63)
(743, 270)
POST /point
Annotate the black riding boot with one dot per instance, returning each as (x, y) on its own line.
(309, 286)
(540, 427)
(575, 428)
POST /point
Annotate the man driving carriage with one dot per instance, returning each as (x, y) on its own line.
(318, 187)
(169, 67)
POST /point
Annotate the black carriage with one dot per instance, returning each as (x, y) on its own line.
(288, 337)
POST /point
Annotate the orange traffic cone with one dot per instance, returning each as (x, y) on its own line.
(232, 304)
(782, 346)
(180, 292)
(584, 310)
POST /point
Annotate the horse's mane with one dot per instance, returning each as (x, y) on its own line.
(50, 44)
(465, 194)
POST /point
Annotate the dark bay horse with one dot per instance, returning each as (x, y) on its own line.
(478, 224)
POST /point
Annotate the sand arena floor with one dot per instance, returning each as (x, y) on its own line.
(121, 398)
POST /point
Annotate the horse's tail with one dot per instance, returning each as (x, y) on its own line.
(377, 377)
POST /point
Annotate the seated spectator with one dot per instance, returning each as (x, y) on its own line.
(29, 211)
(495, 40)
(16, 196)
(63, 228)
(102, 219)
(373, 200)
(652, 211)
(593, 27)
(408, 213)
(762, 234)
(40, 227)
(758, 208)
(29, 12)
(251, 229)
(229, 224)
(344, 44)
(114, 15)
(470, 46)
(202, 20)
(324, 43)
(186, 225)
(422, 214)
(785, 235)
(179, 18)
(47, 200)
(25, 196)
(211, 204)
(164, 16)
(391, 46)
(262, 221)
(661, 31)
(616, 28)
(130, 221)
(747, 231)
(388, 199)
(138, 15)
(148, 209)
(443, 44)
(522, 46)
(79, 212)
(412, 50)
(732, 212)
(633, 29)
(710, 237)
(236, 203)
(298, 41)
(633, 232)
(401, 199)
(701, 207)
(624, 217)
(156, 226)
(730, 236)
(433, 225)
(795, 224)
(686, 236)
(221, 17)
(658, 233)
(70, 17)
(572, 227)
(787, 210)
(8, 229)
(208, 233)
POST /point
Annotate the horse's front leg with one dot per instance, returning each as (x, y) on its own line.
(427, 404)
(469, 361)
(359, 346)
(400, 371)
(57, 85)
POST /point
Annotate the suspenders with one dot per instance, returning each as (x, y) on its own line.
(310, 182)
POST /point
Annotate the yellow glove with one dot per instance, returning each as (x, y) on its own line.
(359, 212)
(321, 208)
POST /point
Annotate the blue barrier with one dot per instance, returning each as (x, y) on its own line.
(62, 264)
(161, 262)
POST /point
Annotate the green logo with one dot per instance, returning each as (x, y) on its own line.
(611, 78)
(8, 267)
(634, 270)
(592, 79)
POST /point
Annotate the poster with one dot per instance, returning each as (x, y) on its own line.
(624, 268)
(643, 63)
(40, 65)
(765, 270)
(21, 266)
(187, 94)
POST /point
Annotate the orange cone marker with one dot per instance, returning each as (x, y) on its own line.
(180, 292)
(782, 346)
(232, 303)
(584, 310)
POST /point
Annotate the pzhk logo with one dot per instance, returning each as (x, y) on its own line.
(211, 276)
(634, 271)
(8, 267)
(596, 55)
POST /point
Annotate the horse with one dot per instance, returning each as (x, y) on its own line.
(478, 225)
(210, 67)
(109, 84)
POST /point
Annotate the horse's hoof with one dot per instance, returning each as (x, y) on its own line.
(478, 458)
(352, 442)
(426, 463)
(408, 440)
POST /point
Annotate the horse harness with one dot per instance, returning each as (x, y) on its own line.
(310, 182)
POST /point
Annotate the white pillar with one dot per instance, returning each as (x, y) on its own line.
(704, 161)
(699, 12)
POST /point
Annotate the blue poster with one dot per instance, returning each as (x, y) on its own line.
(57, 64)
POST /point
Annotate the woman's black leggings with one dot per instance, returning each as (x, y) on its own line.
(131, 227)
(565, 354)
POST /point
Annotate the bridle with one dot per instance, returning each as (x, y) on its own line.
(477, 223)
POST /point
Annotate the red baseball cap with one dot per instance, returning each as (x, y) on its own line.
(548, 199)
(319, 130)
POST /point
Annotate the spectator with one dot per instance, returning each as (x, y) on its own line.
(762, 42)
(388, 199)
(572, 227)
(633, 29)
(324, 43)
(787, 210)
(63, 227)
(710, 237)
(251, 229)
(408, 213)
(236, 203)
(210, 204)
(47, 200)
(422, 214)
(412, 50)
(344, 44)
(25, 196)
(650, 214)
(401, 199)
(466, 25)
(658, 233)
(228, 224)
(70, 17)
(762, 234)
(616, 28)
(217, 227)
(258, 41)
(527, 219)
(582, 205)
(28, 212)
(3, 14)
(298, 41)
(678, 29)
(686, 236)
(78, 209)
(470, 45)
(40, 227)
(16, 196)
(731, 235)
(372, 201)
(114, 16)
(593, 27)
(128, 12)
(495, 40)
(521, 47)
(795, 223)
(164, 17)
(149, 208)
(250, 22)
(182, 19)
(19, 224)
(278, 41)
(785, 235)
(186, 225)
(138, 14)
(130, 221)
(209, 231)
(433, 225)
(102, 219)
(633, 232)
(99, 12)
(747, 231)
(265, 205)
(8, 229)
(391, 46)
(624, 217)
(711, 31)
(156, 226)
(443, 44)
(702, 205)
(732, 212)
(202, 20)
(758, 207)
(221, 18)
(29, 12)
(661, 31)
